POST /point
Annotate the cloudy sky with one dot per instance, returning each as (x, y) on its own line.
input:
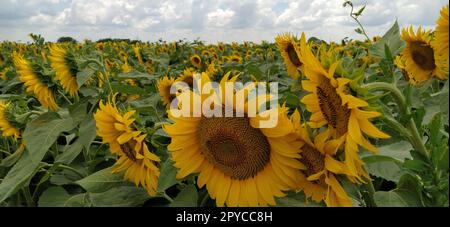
(209, 20)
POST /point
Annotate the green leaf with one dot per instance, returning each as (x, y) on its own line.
(86, 134)
(12, 159)
(39, 135)
(392, 40)
(188, 197)
(384, 167)
(135, 75)
(434, 127)
(389, 199)
(101, 181)
(127, 89)
(55, 196)
(399, 150)
(408, 193)
(78, 111)
(79, 200)
(123, 196)
(84, 75)
(295, 200)
(167, 177)
(360, 11)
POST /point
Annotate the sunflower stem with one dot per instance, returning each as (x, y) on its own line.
(414, 137)
(27, 195)
(398, 96)
(67, 168)
(204, 200)
(167, 197)
(65, 97)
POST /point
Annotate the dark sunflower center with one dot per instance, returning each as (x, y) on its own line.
(189, 80)
(196, 60)
(423, 55)
(233, 146)
(331, 106)
(293, 57)
(128, 150)
(312, 159)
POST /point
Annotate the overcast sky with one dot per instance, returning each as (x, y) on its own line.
(210, 20)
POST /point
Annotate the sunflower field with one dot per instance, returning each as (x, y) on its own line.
(360, 123)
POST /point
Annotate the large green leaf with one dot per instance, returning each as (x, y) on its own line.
(399, 150)
(188, 197)
(86, 134)
(167, 176)
(101, 181)
(84, 75)
(392, 40)
(408, 193)
(384, 166)
(55, 196)
(39, 135)
(123, 196)
(296, 200)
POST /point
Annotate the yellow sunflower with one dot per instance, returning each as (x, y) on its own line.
(441, 35)
(440, 44)
(318, 180)
(400, 62)
(196, 61)
(164, 86)
(286, 44)
(3, 73)
(114, 128)
(236, 58)
(187, 77)
(34, 83)
(6, 127)
(138, 54)
(65, 67)
(139, 164)
(420, 56)
(333, 106)
(240, 163)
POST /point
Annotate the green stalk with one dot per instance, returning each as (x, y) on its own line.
(414, 138)
(27, 195)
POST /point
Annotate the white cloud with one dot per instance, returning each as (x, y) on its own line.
(210, 20)
(220, 18)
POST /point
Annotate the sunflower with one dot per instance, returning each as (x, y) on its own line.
(420, 56)
(240, 163)
(441, 34)
(318, 176)
(196, 61)
(139, 164)
(333, 106)
(114, 128)
(126, 68)
(221, 47)
(65, 67)
(286, 44)
(6, 126)
(164, 86)
(3, 73)
(187, 77)
(206, 53)
(138, 54)
(236, 58)
(440, 44)
(211, 69)
(34, 82)
(400, 62)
